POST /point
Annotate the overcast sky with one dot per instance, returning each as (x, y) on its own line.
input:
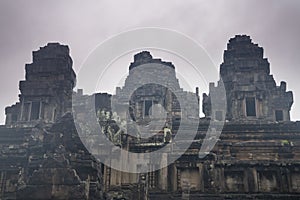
(27, 25)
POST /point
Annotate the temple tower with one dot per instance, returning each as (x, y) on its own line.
(46, 94)
(251, 92)
(151, 91)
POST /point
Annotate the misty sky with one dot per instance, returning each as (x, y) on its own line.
(27, 25)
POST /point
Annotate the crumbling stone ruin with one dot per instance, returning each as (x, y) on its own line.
(154, 84)
(41, 155)
(257, 156)
(46, 93)
(252, 94)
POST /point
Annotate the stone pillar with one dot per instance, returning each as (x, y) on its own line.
(163, 173)
(200, 167)
(252, 180)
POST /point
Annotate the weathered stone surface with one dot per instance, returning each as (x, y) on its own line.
(41, 159)
(256, 157)
(251, 92)
(151, 90)
(46, 93)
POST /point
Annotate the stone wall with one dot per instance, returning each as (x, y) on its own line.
(47, 162)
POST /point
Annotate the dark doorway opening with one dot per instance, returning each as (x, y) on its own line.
(250, 106)
(35, 110)
(279, 115)
(219, 115)
(148, 105)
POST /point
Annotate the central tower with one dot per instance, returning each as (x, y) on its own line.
(151, 94)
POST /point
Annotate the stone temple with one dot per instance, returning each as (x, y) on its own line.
(257, 155)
